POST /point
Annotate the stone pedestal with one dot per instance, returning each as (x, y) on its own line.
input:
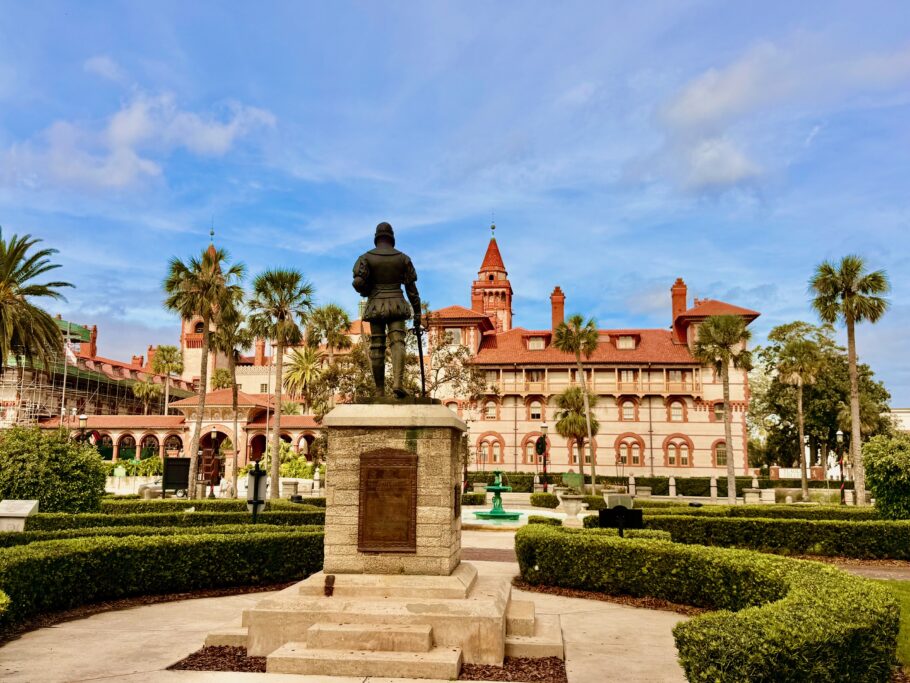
(394, 490)
(13, 514)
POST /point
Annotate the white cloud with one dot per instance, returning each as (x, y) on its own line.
(104, 66)
(718, 162)
(129, 147)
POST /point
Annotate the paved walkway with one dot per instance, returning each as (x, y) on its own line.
(605, 642)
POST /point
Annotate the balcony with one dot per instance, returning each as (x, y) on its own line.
(602, 386)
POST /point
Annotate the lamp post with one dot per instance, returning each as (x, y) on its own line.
(466, 456)
(840, 460)
(83, 422)
(214, 464)
(541, 448)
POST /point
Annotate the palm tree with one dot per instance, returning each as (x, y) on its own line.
(573, 419)
(846, 291)
(799, 364)
(231, 337)
(221, 378)
(27, 331)
(722, 342)
(281, 302)
(329, 324)
(202, 287)
(579, 337)
(167, 361)
(303, 370)
(146, 391)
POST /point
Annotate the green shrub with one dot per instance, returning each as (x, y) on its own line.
(59, 520)
(887, 462)
(541, 519)
(56, 575)
(473, 498)
(595, 502)
(10, 538)
(544, 500)
(780, 619)
(132, 507)
(4, 605)
(591, 521)
(829, 512)
(874, 539)
(61, 474)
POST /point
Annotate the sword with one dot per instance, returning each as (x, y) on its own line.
(423, 378)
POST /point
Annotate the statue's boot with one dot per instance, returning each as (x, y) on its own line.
(377, 361)
(397, 347)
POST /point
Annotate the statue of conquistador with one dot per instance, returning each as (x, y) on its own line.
(379, 275)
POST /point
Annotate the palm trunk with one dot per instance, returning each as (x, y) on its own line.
(276, 433)
(232, 368)
(856, 437)
(167, 394)
(584, 395)
(802, 450)
(728, 435)
(203, 384)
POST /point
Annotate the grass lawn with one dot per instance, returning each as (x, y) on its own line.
(901, 590)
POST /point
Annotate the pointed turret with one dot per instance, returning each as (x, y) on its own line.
(491, 293)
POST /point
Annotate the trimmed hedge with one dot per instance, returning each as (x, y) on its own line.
(473, 498)
(60, 520)
(541, 519)
(780, 619)
(829, 512)
(544, 500)
(590, 526)
(133, 507)
(595, 502)
(13, 538)
(57, 575)
(878, 539)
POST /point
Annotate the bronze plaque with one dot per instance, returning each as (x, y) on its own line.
(387, 519)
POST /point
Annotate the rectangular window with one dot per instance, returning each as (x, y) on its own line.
(676, 412)
(534, 375)
(536, 344)
(625, 342)
(721, 455)
(675, 376)
(684, 456)
(627, 376)
(453, 335)
(489, 411)
(263, 388)
(719, 412)
(628, 411)
(636, 459)
(671, 455)
(536, 412)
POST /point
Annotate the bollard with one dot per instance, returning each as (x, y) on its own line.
(673, 487)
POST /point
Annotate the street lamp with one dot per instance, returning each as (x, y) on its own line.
(83, 422)
(840, 460)
(541, 448)
(466, 456)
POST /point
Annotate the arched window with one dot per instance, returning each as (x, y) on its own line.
(535, 410)
(489, 410)
(720, 454)
(529, 455)
(198, 329)
(573, 456)
(678, 451)
(677, 412)
(149, 446)
(628, 411)
(127, 447)
(495, 453)
(719, 411)
(629, 450)
(173, 443)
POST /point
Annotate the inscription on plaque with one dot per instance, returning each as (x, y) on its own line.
(387, 520)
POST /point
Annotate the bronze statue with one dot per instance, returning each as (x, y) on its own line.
(379, 275)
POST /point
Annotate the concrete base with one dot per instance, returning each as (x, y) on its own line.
(425, 625)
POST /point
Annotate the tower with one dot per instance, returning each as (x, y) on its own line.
(491, 292)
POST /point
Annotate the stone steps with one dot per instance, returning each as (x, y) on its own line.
(229, 637)
(375, 637)
(297, 658)
(520, 618)
(546, 641)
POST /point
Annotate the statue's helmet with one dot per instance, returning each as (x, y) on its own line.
(384, 230)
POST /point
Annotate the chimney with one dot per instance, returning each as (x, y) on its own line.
(93, 342)
(138, 361)
(151, 355)
(678, 294)
(259, 358)
(557, 306)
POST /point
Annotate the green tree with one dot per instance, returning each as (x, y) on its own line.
(27, 331)
(231, 338)
(799, 362)
(887, 460)
(63, 475)
(329, 325)
(722, 343)
(167, 361)
(221, 379)
(451, 372)
(302, 373)
(578, 337)
(202, 287)
(847, 292)
(282, 300)
(574, 420)
(146, 391)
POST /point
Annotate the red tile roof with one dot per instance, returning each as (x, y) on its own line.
(492, 260)
(458, 312)
(287, 422)
(137, 422)
(655, 346)
(359, 327)
(224, 397)
(706, 307)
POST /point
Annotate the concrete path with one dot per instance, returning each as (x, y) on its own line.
(605, 642)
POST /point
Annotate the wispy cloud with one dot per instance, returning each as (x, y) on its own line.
(106, 67)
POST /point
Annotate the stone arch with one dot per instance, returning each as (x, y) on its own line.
(630, 449)
(490, 448)
(679, 451)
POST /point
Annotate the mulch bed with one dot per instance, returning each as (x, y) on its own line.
(221, 658)
(628, 600)
(54, 618)
(899, 676)
(543, 670)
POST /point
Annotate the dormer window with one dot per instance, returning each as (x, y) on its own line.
(453, 335)
(625, 342)
(536, 344)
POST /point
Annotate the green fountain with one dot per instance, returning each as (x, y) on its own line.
(496, 512)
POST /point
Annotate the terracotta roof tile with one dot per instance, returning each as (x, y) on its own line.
(492, 260)
(224, 397)
(706, 307)
(459, 312)
(287, 421)
(122, 422)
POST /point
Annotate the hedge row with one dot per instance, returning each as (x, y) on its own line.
(132, 507)
(879, 539)
(544, 500)
(61, 520)
(58, 575)
(542, 519)
(13, 538)
(780, 619)
(473, 498)
(848, 513)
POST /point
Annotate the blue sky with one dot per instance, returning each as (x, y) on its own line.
(620, 145)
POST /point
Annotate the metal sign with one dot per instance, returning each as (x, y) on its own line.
(176, 475)
(621, 517)
(255, 490)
